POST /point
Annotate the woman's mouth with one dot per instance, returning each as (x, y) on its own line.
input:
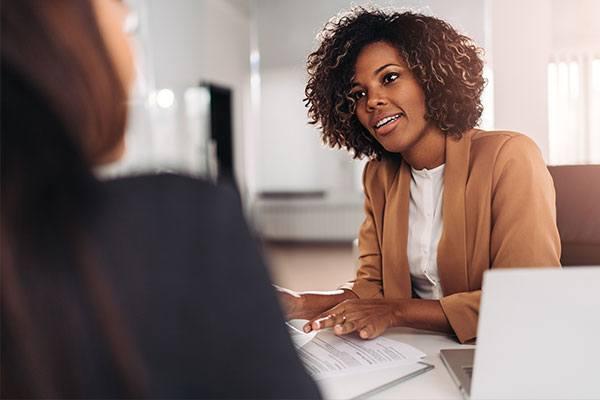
(386, 124)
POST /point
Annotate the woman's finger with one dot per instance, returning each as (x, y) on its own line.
(345, 327)
(307, 327)
(323, 319)
(367, 331)
(372, 328)
(334, 315)
(328, 321)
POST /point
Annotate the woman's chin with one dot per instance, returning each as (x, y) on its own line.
(394, 147)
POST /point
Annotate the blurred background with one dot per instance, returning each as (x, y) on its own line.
(220, 88)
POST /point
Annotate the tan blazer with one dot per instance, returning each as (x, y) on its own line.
(498, 212)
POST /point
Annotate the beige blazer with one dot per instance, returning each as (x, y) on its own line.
(498, 212)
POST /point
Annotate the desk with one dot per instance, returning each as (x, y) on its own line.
(434, 384)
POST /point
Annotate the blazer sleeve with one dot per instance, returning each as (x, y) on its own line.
(368, 282)
(524, 231)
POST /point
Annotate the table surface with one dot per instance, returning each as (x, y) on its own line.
(434, 384)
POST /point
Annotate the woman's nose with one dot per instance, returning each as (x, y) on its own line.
(375, 100)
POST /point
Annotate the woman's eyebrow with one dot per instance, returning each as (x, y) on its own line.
(378, 70)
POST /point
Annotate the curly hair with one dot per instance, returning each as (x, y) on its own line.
(447, 65)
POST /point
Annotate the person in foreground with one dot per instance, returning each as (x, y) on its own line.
(140, 287)
(444, 201)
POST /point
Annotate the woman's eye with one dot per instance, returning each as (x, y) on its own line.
(358, 94)
(391, 77)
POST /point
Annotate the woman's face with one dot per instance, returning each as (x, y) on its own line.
(390, 103)
(111, 16)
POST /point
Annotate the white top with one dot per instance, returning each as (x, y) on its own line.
(424, 230)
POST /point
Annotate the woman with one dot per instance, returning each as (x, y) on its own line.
(444, 201)
(115, 289)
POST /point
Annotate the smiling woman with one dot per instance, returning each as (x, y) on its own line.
(444, 201)
(445, 64)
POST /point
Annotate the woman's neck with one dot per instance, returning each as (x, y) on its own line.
(429, 151)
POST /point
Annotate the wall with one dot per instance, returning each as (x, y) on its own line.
(521, 37)
(575, 129)
(182, 43)
(575, 24)
(518, 45)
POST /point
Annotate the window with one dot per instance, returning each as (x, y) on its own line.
(574, 108)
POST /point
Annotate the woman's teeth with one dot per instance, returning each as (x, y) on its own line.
(387, 120)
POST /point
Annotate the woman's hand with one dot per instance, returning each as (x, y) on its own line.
(369, 317)
(308, 305)
(291, 303)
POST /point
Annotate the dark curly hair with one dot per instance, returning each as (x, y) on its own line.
(447, 65)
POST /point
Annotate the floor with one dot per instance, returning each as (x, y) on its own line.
(310, 266)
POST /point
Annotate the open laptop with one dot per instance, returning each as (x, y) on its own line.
(538, 336)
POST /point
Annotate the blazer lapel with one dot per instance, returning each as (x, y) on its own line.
(396, 273)
(452, 250)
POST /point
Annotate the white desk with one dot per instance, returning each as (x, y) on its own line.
(434, 384)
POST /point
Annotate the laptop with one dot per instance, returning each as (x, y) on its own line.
(538, 336)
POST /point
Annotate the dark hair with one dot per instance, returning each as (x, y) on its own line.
(446, 64)
(63, 108)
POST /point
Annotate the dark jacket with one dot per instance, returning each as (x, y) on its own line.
(193, 300)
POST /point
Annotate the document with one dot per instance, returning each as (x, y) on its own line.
(326, 355)
(299, 338)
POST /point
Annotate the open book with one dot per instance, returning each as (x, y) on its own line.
(347, 366)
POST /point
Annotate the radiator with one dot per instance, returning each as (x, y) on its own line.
(309, 218)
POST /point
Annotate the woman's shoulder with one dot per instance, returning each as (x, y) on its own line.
(136, 185)
(168, 203)
(170, 220)
(500, 142)
(168, 191)
(501, 151)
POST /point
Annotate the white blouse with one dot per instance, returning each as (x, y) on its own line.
(424, 230)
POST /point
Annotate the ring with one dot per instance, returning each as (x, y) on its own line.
(343, 318)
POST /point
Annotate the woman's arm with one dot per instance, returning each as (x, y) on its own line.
(308, 305)
(423, 314)
(368, 282)
(523, 232)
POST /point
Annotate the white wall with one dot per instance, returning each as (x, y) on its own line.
(517, 47)
(195, 40)
(184, 42)
(521, 38)
(575, 24)
(291, 157)
(204, 40)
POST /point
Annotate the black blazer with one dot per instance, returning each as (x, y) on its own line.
(193, 296)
